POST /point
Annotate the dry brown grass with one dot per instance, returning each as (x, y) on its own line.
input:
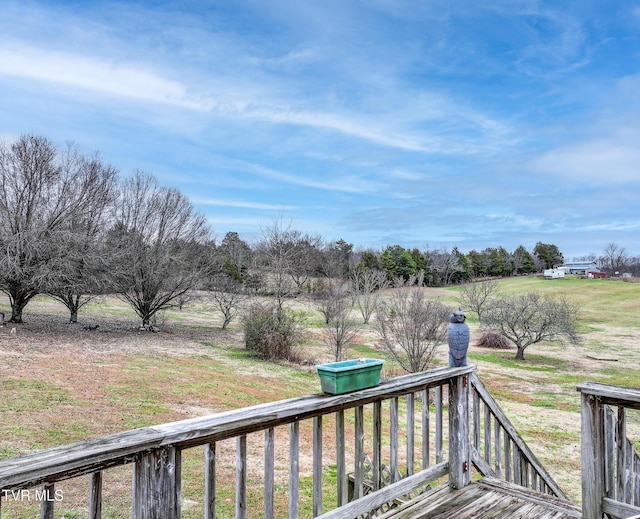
(60, 384)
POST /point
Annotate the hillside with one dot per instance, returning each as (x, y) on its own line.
(61, 383)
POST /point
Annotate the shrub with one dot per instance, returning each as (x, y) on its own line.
(493, 339)
(271, 333)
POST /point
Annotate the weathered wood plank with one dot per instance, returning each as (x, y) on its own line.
(618, 509)
(476, 420)
(241, 477)
(425, 428)
(612, 395)
(377, 445)
(636, 488)
(439, 428)
(610, 432)
(621, 438)
(410, 438)
(497, 455)
(459, 444)
(359, 453)
(86, 457)
(317, 466)
(508, 468)
(388, 493)
(294, 469)
(480, 463)
(210, 481)
(157, 485)
(269, 472)
(489, 498)
(515, 437)
(46, 505)
(393, 440)
(487, 434)
(95, 496)
(592, 456)
(341, 472)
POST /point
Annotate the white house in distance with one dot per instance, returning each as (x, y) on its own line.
(554, 273)
(578, 268)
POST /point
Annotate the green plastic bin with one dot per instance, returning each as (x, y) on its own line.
(349, 375)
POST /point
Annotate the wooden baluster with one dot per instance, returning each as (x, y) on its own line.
(46, 505)
(359, 453)
(439, 424)
(508, 471)
(517, 465)
(294, 469)
(210, 481)
(592, 456)
(317, 466)
(393, 439)
(621, 438)
(95, 496)
(241, 477)
(459, 444)
(636, 487)
(628, 472)
(425, 429)
(377, 445)
(157, 484)
(340, 460)
(498, 448)
(411, 402)
(269, 472)
(487, 435)
(476, 421)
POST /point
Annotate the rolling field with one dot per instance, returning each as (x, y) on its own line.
(60, 383)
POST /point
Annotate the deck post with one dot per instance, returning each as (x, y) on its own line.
(592, 457)
(156, 484)
(459, 437)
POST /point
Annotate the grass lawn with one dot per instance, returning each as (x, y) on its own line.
(61, 384)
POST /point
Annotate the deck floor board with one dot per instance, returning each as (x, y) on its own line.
(488, 498)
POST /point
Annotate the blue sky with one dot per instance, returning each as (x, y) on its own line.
(428, 124)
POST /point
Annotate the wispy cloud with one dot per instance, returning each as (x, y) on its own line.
(126, 80)
(216, 202)
(384, 120)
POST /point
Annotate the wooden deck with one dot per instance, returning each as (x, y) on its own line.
(489, 498)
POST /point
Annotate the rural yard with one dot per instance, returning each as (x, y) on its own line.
(62, 383)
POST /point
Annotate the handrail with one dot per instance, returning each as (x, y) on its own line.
(526, 457)
(610, 464)
(87, 457)
(155, 451)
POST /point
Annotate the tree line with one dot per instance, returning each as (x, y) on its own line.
(72, 227)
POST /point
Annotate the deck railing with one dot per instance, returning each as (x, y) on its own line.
(400, 426)
(498, 450)
(610, 463)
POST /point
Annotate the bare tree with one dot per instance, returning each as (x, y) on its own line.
(614, 259)
(443, 266)
(477, 296)
(158, 238)
(340, 328)
(44, 193)
(412, 327)
(287, 258)
(229, 296)
(532, 318)
(367, 285)
(86, 265)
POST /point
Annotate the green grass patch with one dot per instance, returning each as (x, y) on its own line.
(532, 362)
(30, 395)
